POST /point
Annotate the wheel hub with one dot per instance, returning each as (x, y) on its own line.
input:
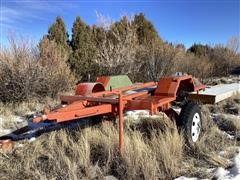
(196, 127)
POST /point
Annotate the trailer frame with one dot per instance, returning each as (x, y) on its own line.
(91, 99)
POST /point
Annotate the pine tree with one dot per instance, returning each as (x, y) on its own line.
(145, 29)
(84, 51)
(57, 32)
(200, 50)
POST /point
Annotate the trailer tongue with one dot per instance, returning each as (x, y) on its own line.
(109, 98)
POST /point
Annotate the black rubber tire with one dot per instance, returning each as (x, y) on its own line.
(185, 121)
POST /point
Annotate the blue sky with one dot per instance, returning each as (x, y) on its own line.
(177, 21)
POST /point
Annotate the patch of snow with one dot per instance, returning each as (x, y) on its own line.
(231, 137)
(232, 173)
(130, 92)
(136, 114)
(19, 119)
(185, 178)
(221, 172)
(31, 113)
(232, 116)
(32, 139)
(177, 109)
(222, 153)
(210, 170)
(1, 124)
(232, 108)
(110, 178)
(5, 131)
(19, 145)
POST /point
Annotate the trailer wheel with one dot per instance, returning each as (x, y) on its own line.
(190, 121)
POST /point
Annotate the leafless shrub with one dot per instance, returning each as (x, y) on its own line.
(157, 59)
(117, 48)
(24, 74)
(197, 66)
(224, 60)
(234, 44)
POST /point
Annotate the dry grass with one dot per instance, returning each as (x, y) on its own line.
(229, 106)
(206, 155)
(153, 150)
(227, 114)
(11, 111)
(228, 122)
(93, 152)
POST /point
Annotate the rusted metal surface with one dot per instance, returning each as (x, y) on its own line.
(61, 115)
(104, 80)
(84, 89)
(6, 145)
(120, 112)
(170, 86)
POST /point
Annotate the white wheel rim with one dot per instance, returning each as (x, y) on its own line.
(196, 127)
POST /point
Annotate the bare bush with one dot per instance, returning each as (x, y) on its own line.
(223, 60)
(197, 66)
(117, 47)
(157, 59)
(58, 76)
(24, 74)
(234, 44)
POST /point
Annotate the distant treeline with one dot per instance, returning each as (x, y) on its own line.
(134, 47)
(129, 46)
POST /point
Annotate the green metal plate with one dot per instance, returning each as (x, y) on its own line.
(118, 81)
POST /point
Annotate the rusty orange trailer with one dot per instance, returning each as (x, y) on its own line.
(93, 99)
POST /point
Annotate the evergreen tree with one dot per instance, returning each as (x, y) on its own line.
(200, 50)
(145, 29)
(82, 60)
(98, 35)
(57, 32)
